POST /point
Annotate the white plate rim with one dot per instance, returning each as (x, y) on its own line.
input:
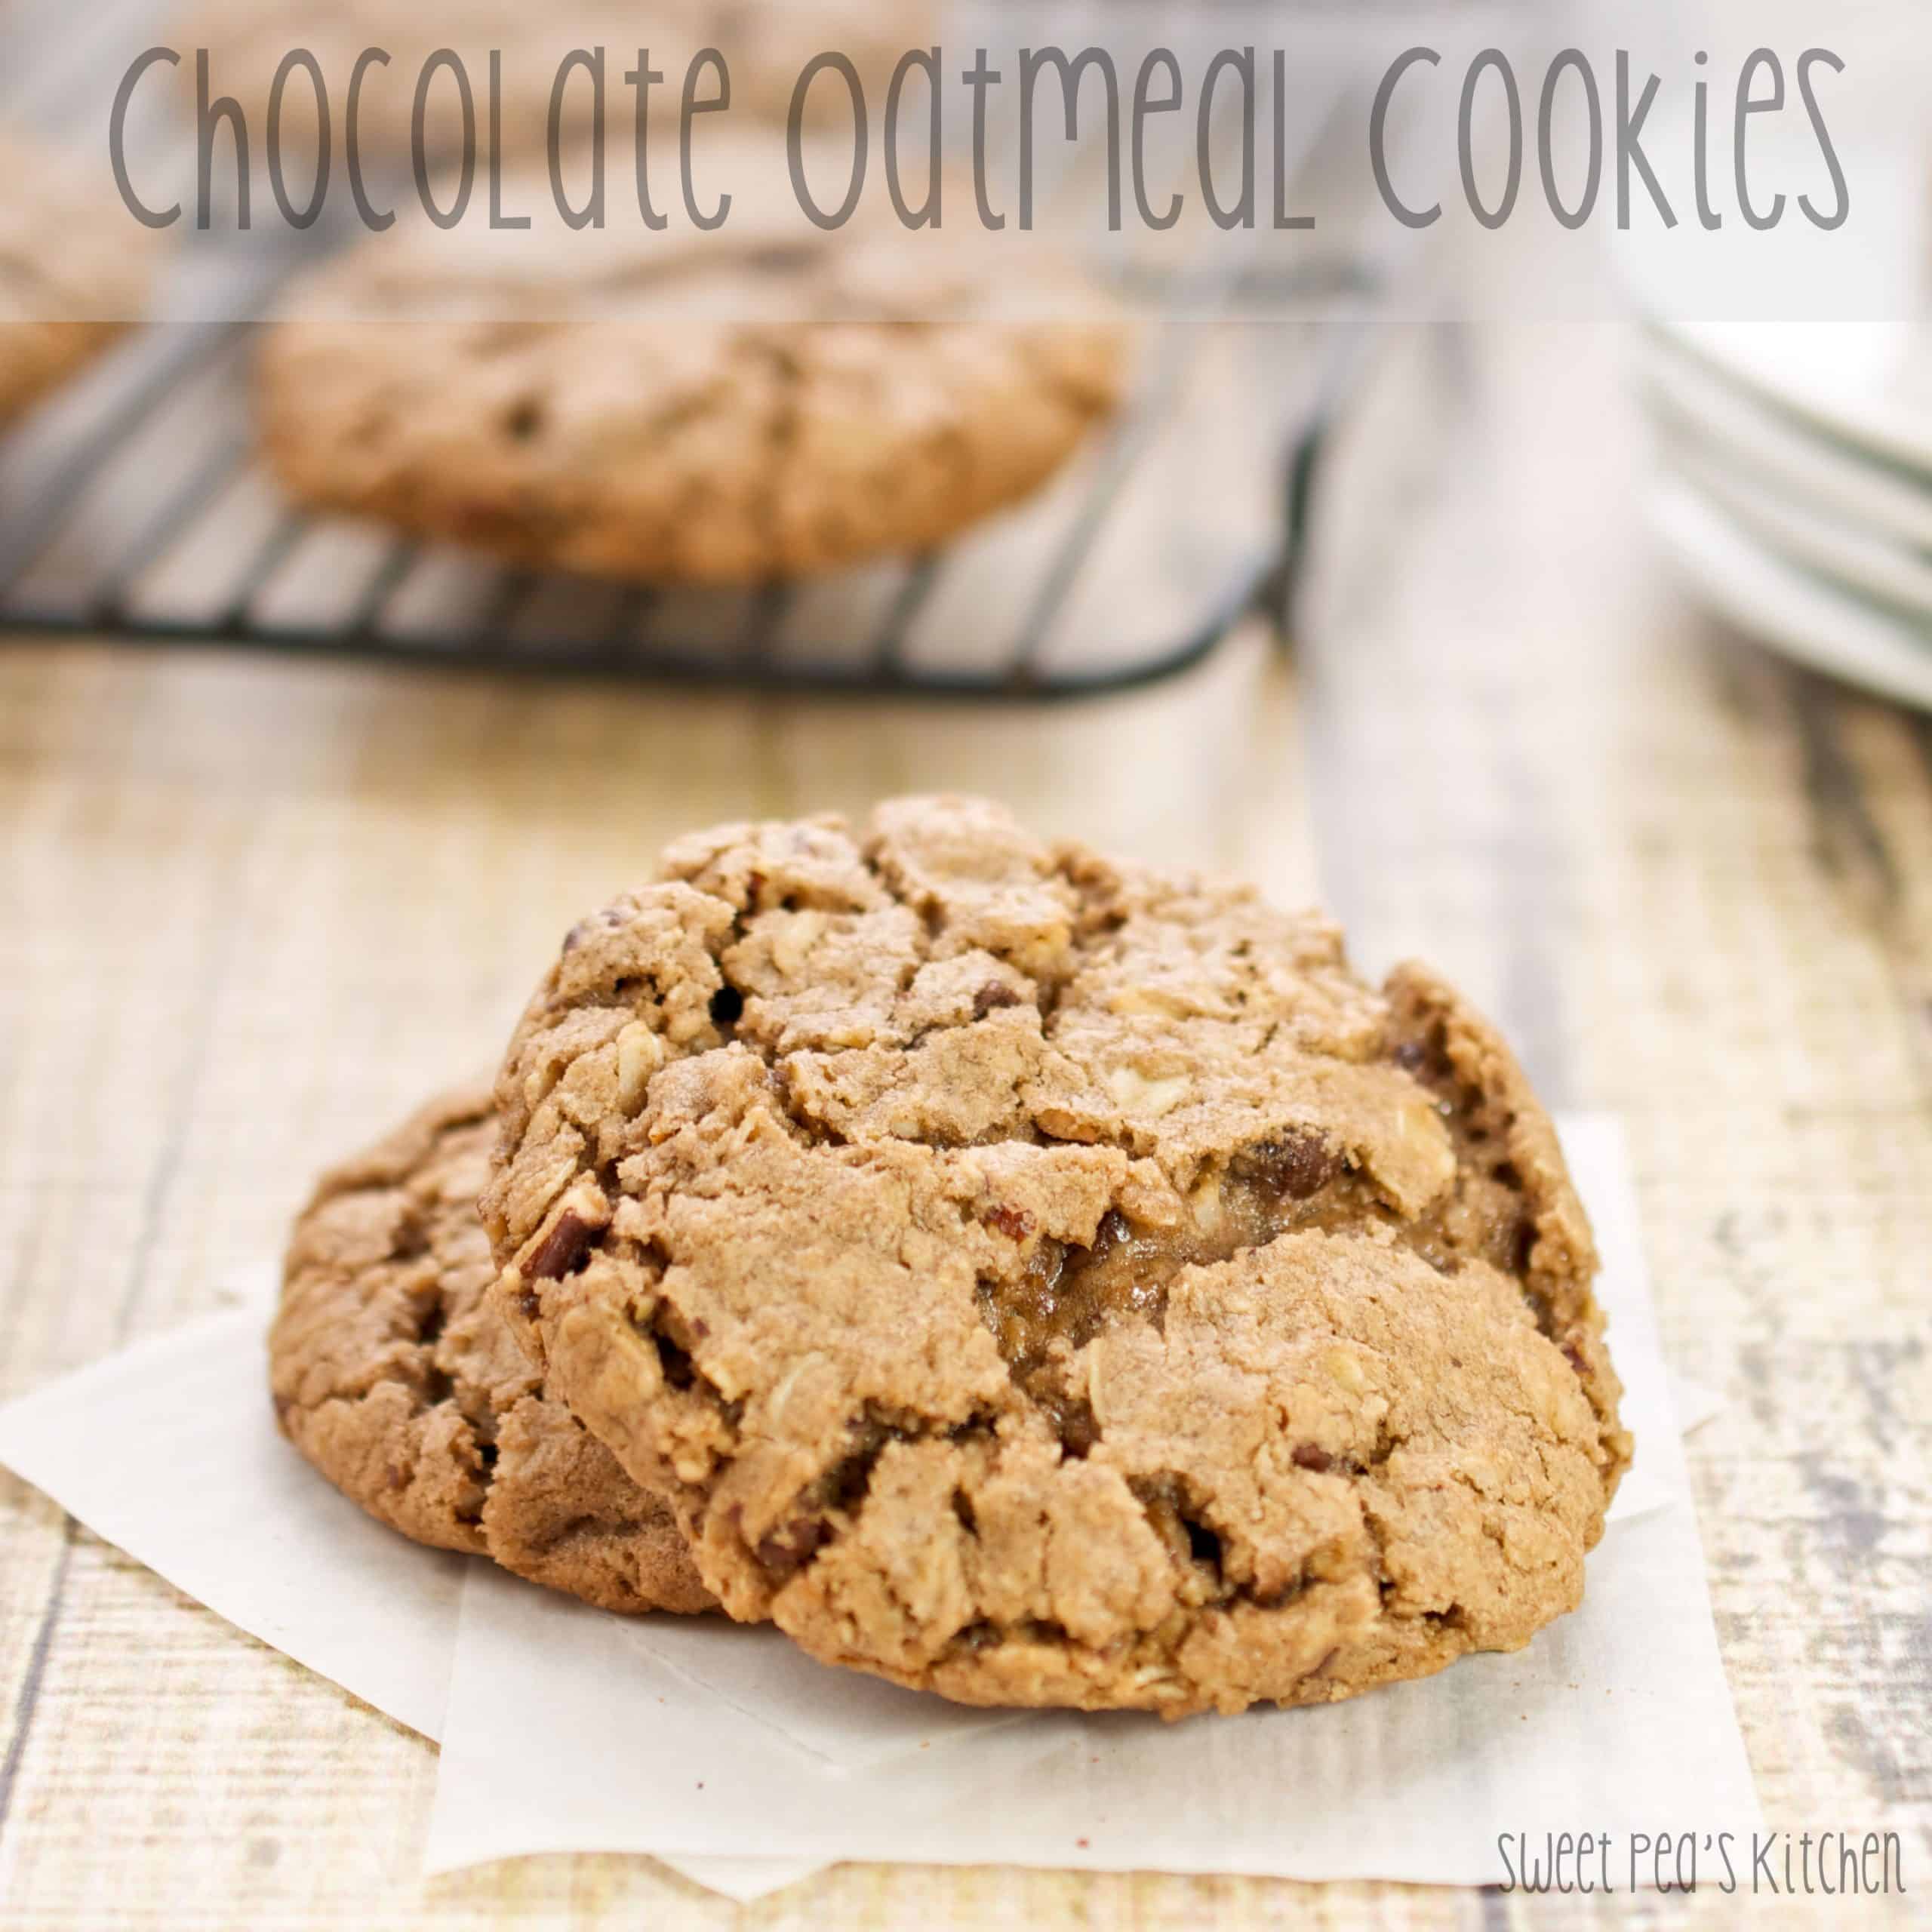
(1787, 607)
(1867, 566)
(1871, 427)
(1686, 397)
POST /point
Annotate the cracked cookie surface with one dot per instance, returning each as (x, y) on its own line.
(767, 400)
(392, 1374)
(1051, 1281)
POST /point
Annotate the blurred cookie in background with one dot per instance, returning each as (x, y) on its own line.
(767, 400)
(75, 270)
(767, 44)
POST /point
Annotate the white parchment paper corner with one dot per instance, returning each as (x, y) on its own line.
(169, 1450)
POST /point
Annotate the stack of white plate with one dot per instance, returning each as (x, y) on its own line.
(1795, 490)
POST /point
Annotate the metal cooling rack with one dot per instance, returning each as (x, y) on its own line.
(131, 508)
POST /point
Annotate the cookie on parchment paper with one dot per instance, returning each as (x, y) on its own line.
(1047, 1280)
(392, 1374)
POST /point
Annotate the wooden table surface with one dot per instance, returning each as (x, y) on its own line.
(251, 909)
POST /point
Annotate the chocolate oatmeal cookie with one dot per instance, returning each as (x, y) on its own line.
(392, 1375)
(1047, 1280)
(768, 399)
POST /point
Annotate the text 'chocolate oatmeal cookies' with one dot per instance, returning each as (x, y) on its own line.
(392, 1374)
(768, 399)
(1046, 1281)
